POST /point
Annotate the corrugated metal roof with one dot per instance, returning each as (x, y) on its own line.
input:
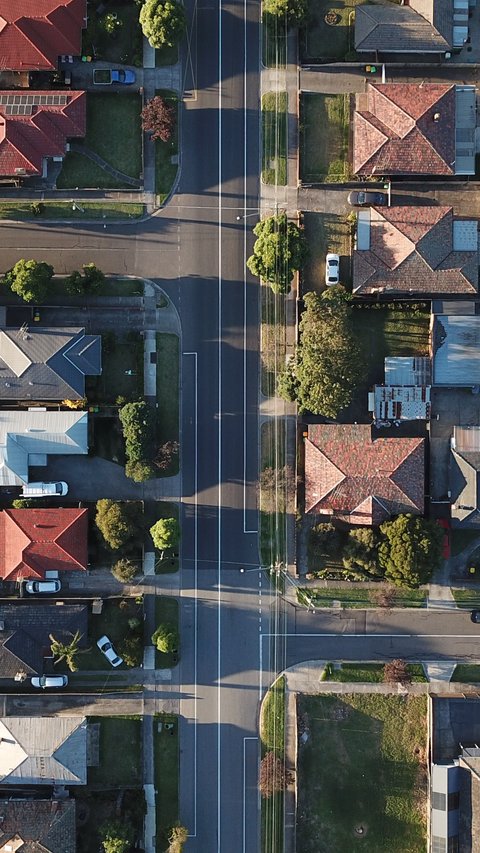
(43, 750)
(456, 344)
(465, 235)
(24, 433)
(406, 370)
(465, 124)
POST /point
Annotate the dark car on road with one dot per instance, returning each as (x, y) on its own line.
(360, 198)
(475, 615)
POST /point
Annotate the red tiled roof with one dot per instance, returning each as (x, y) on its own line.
(35, 540)
(411, 251)
(395, 132)
(362, 480)
(26, 139)
(33, 33)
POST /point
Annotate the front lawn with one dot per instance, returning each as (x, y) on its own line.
(112, 621)
(275, 138)
(120, 753)
(274, 41)
(326, 232)
(461, 539)
(65, 210)
(166, 153)
(166, 611)
(168, 367)
(166, 758)
(362, 774)
(468, 598)
(114, 133)
(324, 41)
(122, 46)
(324, 121)
(367, 672)
(122, 369)
(466, 673)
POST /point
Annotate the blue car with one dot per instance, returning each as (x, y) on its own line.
(123, 75)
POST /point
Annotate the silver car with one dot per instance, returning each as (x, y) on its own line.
(43, 587)
(45, 681)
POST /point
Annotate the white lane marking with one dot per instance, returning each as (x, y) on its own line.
(340, 634)
(195, 599)
(244, 793)
(219, 531)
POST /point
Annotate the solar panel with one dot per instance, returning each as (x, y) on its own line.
(44, 100)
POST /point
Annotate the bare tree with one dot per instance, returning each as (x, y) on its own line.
(396, 672)
(273, 775)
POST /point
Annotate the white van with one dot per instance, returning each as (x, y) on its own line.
(41, 490)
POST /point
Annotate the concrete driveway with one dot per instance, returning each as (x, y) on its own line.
(453, 406)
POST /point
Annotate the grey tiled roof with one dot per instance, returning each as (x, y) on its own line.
(43, 750)
(44, 826)
(47, 364)
(24, 635)
(397, 29)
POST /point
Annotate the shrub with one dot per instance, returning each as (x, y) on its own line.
(166, 638)
(140, 471)
(124, 570)
(165, 533)
(118, 522)
(396, 672)
(131, 650)
(138, 424)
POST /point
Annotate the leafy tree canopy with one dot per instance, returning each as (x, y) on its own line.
(159, 118)
(163, 22)
(166, 638)
(30, 280)
(165, 533)
(279, 251)
(328, 363)
(361, 551)
(88, 283)
(124, 570)
(410, 550)
(117, 522)
(138, 425)
(294, 12)
(117, 837)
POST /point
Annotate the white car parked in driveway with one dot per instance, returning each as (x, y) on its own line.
(107, 649)
(43, 587)
(332, 269)
(44, 681)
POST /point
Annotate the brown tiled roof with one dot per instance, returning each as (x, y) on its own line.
(395, 133)
(411, 250)
(33, 33)
(363, 480)
(39, 826)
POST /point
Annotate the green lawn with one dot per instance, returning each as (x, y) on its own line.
(326, 232)
(272, 736)
(120, 753)
(168, 414)
(273, 338)
(467, 673)
(166, 56)
(112, 286)
(365, 672)
(468, 598)
(64, 210)
(323, 41)
(273, 492)
(124, 45)
(121, 147)
(166, 757)
(166, 153)
(363, 767)
(461, 539)
(324, 121)
(166, 610)
(274, 41)
(358, 596)
(122, 369)
(275, 138)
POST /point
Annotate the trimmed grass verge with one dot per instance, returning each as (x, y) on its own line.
(166, 763)
(273, 339)
(359, 597)
(275, 138)
(118, 766)
(365, 672)
(324, 121)
(273, 492)
(63, 210)
(326, 232)
(468, 598)
(168, 395)
(367, 755)
(467, 673)
(274, 41)
(165, 152)
(272, 736)
(166, 610)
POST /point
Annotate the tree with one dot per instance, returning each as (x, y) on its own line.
(86, 284)
(140, 471)
(360, 553)
(159, 118)
(131, 649)
(325, 541)
(166, 638)
(118, 522)
(165, 533)
(294, 12)
(396, 672)
(410, 550)
(138, 425)
(30, 280)
(117, 837)
(163, 22)
(67, 651)
(273, 775)
(328, 364)
(167, 454)
(177, 837)
(124, 570)
(279, 251)
(23, 503)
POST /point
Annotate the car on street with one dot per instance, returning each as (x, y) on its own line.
(475, 615)
(332, 269)
(44, 681)
(360, 198)
(43, 587)
(445, 525)
(107, 649)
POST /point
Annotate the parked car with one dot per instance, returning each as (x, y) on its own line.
(36, 315)
(332, 269)
(43, 587)
(40, 490)
(445, 525)
(45, 681)
(360, 198)
(475, 615)
(107, 76)
(107, 649)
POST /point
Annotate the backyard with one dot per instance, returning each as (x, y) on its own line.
(275, 138)
(325, 232)
(121, 147)
(166, 154)
(324, 121)
(362, 774)
(329, 41)
(166, 758)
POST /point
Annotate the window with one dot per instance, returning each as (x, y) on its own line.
(439, 801)
(439, 845)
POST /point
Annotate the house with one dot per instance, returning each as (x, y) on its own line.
(34, 33)
(37, 826)
(34, 541)
(405, 396)
(409, 250)
(47, 364)
(414, 129)
(422, 26)
(464, 476)
(361, 479)
(35, 127)
(25, 636)
(43, 751)
(28, 437)
(454, 342)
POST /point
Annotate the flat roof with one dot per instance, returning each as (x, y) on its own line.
(456, 347)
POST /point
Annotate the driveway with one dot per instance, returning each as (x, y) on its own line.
(452, 406)
(332, 198)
